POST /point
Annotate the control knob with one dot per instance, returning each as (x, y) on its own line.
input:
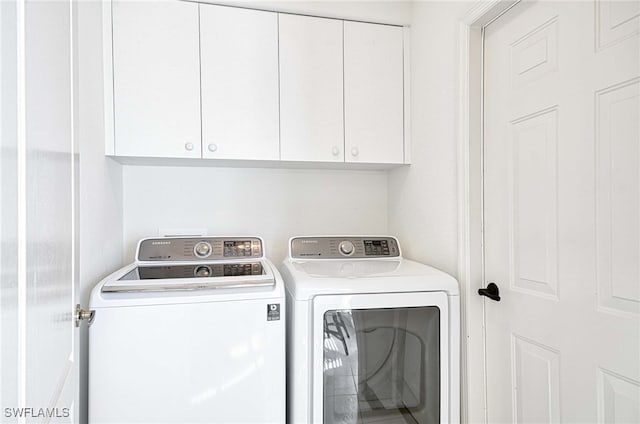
(202, 249)
(346, 247)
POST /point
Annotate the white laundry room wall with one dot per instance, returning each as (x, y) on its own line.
(423, 200)
(273, 203)
(99, 178)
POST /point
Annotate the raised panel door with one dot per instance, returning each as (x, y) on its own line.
(562, 212)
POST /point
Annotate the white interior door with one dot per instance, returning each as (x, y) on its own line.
(8, 204)
(562, 212)
(39, 355)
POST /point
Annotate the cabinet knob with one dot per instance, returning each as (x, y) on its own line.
(212, 147)
(335, 151)
(188, 146)
(355, 151)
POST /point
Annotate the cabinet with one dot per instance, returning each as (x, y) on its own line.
(311, 89)
(156, 79)
(373, 93)
(239, 65)
(190, 80)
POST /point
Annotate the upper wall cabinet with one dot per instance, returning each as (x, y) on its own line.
(311, 89)
(156, 79)
(190, 80)
(373, 93)
(239, 63)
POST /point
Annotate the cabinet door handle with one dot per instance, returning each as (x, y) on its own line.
(335, 151)
(188, 146)
(212, 147)
(355, 151)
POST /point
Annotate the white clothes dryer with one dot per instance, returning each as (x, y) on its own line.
(372, 337)
(191, 332)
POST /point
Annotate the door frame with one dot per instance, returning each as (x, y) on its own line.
(322, 304)
(470, 203)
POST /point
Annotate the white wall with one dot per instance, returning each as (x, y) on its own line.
(273, 203)
(100, 178)
(423, 204)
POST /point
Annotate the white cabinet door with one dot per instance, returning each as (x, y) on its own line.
(239, 56)
(373, 93)
(311, 89)
(156, 73)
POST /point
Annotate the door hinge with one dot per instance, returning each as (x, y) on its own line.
(84, 315)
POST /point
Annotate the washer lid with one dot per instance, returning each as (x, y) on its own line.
(306, 279)
(195, 276)
(194, 263)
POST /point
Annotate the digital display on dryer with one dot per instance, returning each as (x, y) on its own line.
(376, 248)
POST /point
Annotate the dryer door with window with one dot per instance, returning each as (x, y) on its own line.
(381, 358)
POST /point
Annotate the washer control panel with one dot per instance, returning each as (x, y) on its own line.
(344, 247)
(171, 249)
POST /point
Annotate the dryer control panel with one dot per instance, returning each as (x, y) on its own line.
(358, 247)
(199, 248)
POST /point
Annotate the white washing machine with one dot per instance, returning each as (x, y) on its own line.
(372, 337)
(192, 332)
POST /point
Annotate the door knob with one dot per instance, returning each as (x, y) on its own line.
(492, 292)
